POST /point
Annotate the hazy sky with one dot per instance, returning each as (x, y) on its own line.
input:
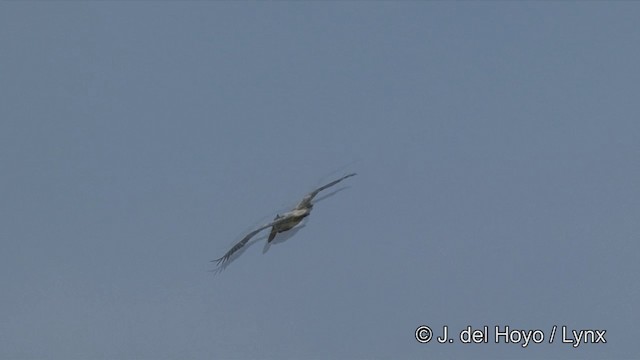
(497, 147)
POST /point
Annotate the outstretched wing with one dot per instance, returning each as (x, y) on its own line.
(224, 259)
(306, 200)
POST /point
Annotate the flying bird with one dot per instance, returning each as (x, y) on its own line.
(282, 222)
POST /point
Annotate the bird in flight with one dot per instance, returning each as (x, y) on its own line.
(282, 222)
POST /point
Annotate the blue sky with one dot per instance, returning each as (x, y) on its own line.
(496, 146)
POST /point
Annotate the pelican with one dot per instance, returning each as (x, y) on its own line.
(282, 222)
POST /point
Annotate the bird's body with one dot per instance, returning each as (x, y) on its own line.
(288, 221)
(282, 222)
